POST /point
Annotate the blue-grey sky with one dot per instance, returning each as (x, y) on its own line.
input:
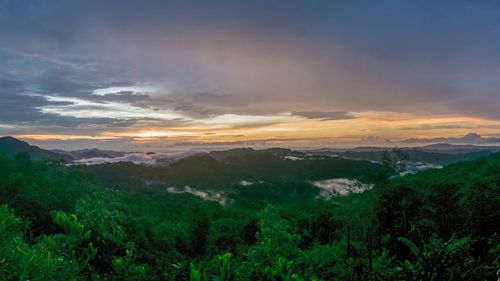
(309, 72)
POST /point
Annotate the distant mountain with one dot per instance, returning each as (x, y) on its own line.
(249, 152)
(435, 158)
(168, 160)
(330, 151)
(436, 154)
(456, 148)
(236, 169)
(90, 153)
(12, 146)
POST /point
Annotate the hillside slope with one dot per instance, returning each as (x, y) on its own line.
(12, 146)
(57, 223)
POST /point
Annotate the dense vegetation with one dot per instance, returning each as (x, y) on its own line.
(226, 170)
(436, 158)
(58, 222)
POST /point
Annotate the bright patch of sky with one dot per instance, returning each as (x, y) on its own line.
(3, 126)
(157, 134)
(136, 89)
(81, 108)
(236, 119)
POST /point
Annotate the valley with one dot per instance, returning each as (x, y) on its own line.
(216, 213)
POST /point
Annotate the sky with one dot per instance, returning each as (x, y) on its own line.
(143, 75)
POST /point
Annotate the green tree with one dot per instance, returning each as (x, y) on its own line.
(396, 159)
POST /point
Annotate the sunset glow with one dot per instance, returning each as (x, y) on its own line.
(302, 74)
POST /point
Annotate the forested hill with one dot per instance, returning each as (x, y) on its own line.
(436, 158)
(58, 223)
(458, 205)
(11, 146)
(226, 170)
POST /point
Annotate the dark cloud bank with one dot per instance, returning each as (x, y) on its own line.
(317, 59)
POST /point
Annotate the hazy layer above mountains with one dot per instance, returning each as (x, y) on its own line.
(433, 155)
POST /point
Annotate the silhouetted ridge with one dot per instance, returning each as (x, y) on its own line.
(12, 146)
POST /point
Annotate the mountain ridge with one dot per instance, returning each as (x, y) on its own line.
(12, 146)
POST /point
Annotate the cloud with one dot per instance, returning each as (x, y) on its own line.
(134, 89)
(471, 138)
(133, 63)
(80, 108)
(437, 127)
(16, 106)
(124, 97)
(351, 55)
(372, 140)
(325, 116)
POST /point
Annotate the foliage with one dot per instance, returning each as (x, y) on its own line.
(58, 222)
(395, 159)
